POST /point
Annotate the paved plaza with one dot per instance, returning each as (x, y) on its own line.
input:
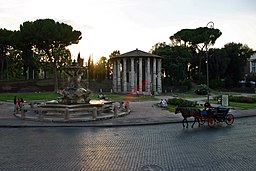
(142, 113)
(149, 138)
(133, 148)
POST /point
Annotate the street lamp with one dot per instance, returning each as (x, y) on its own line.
(211, 25)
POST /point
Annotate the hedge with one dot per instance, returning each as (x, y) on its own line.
(181, 102)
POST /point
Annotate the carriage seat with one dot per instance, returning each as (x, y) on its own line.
(209, 111)
(222, 109)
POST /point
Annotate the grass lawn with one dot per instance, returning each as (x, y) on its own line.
(29, 96)
(54, 96)
(243, 105)
(234, 105)
(115, 97)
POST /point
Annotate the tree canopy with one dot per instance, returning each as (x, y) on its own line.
(41, 44)
(48, 36)
(237, 54)
(5, 44)
(197, 38)
(176, 61)
(185, 58)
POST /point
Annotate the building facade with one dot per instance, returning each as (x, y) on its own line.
(137, 72)
(252, 64)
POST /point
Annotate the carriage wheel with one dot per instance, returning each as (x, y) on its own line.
(211, 122)
(229, 119)
(201, 121)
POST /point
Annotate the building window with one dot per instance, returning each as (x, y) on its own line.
(253, 67)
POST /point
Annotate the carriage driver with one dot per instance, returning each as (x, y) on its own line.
(208, 109)
(207, 106)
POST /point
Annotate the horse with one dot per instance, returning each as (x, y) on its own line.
(187, 112)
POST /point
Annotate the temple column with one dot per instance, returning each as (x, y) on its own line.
(159, 76)
(132, 75)
(114, 77)
(118, 76)
(124, 76)
(154, 75)
(136, 81)
(148, 76)
(140, 75)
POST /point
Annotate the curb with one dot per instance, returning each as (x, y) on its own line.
(102, 125)
(122, 114)
(99, 125)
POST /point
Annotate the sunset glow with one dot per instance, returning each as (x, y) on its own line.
(125, 25)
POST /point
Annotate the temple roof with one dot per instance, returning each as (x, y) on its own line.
(137, 53)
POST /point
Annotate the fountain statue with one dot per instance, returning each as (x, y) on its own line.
(74, 103)
(74, 93)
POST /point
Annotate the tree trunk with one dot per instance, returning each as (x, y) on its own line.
(200, 64)
(56, 87)
(55, 76)
(2, 69)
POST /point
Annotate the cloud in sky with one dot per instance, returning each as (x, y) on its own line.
(125, 25)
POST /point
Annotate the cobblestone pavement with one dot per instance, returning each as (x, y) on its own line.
(142, 113)
(138, 148)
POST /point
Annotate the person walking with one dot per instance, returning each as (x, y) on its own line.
(15, 105)
(21, 104)
(18, 104)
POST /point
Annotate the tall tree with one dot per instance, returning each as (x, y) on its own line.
(176, 60)
(199, 39)
(48, 35)
(90, 68)
(114, 53)
(5, 46)
(101, 68)
(24, 40)
(238, 55)
(109, 63)
(218, 63)
(15, 64)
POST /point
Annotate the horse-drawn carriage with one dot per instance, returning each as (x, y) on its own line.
(216, 114)
(212, 115)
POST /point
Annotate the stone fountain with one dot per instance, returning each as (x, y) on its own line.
(74, 93)
(74, 100)
(74, 104)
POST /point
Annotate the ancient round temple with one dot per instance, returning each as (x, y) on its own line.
(137, 72)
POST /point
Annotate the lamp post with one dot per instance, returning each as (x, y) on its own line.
(207, 74)
(211, 25)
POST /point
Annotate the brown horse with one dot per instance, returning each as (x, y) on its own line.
(188, 112)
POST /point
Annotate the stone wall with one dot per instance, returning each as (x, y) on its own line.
(43, 85)
(27, 86)
(105, 85)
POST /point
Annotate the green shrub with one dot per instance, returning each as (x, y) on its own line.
(216, 83)
(217, 97)
(199, 78)
(181, 102)
(239, 99)
(187, 83)
(228, 82)
(242, 99)
(201, 89)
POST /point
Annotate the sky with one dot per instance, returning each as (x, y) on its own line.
(124, 25)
